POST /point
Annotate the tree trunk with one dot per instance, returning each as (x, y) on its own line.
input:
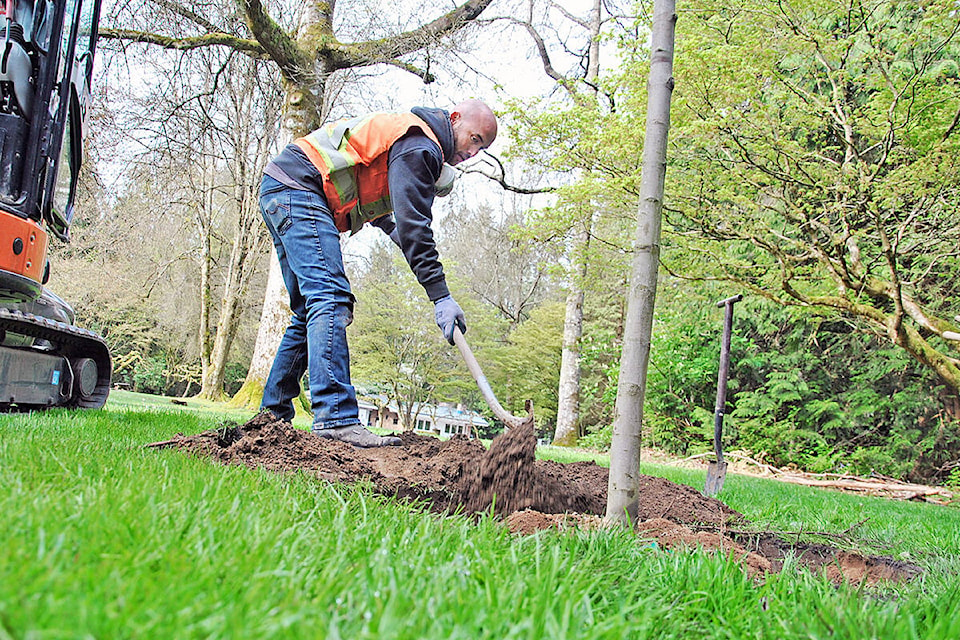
(203, 221)
(275, 315)
(274, 318)
(568, 406)
(203, 330)
(214, 375)
(624, 484)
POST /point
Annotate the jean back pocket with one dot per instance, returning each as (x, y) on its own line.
(275, 207)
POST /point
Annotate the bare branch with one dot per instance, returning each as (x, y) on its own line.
(250, 47)
(500, 178)
(569, 16)
(541, 51)
(951, 128)
(387, 50)
(423, 74)
(192, 16)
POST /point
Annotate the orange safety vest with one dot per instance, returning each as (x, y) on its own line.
(351, 155)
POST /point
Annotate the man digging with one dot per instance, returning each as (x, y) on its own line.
(336, 179)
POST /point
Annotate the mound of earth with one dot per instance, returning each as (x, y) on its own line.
(461, 475)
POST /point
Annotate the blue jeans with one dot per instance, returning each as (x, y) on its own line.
(308, 246)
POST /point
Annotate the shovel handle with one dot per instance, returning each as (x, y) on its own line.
(730, 301)
(724, 372)
(477, 373)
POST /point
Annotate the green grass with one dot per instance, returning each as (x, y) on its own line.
(104, 539)
(142, 402)
(565, 455)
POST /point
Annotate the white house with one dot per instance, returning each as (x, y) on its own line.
(447, 419)
(368, 412)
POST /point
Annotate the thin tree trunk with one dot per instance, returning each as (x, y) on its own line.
(227, 326)
(206, 298)
(568, 405)
(624, 483)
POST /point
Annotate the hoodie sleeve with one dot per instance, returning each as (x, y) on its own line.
(413, 168)
(388, 226)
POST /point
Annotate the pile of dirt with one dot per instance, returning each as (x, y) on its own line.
(461, 475)
(660, 531)
(757, 552)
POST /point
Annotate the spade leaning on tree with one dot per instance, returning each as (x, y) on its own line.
(334, 180)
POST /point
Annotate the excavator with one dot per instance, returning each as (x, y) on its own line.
(46, 66)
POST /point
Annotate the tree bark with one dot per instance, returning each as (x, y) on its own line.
(624, 483)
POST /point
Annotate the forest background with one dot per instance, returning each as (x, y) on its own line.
(812, 167)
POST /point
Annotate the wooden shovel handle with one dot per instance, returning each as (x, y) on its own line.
(477, 373)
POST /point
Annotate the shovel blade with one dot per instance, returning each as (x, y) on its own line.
(716, 473)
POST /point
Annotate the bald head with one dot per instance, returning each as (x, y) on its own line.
(474, 128)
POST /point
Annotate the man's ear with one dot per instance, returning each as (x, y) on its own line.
(454, 117)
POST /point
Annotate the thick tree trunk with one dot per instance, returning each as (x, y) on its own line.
(624, 484)
(274, 318)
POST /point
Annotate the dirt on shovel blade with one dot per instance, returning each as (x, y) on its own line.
(461, 475)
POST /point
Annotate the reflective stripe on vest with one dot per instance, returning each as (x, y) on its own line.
(351, 155)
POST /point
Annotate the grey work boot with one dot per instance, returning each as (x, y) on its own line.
(358, 436)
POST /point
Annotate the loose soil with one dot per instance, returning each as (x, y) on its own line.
(460, 475)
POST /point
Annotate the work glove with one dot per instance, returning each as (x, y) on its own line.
(449, 314)
(444, 184)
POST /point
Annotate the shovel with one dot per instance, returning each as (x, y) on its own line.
(717, 471)
(477, 373)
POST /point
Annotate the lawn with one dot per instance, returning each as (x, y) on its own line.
(104, 539)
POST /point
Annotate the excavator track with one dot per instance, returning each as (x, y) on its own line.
(70, 342)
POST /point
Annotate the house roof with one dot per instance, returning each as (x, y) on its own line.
(365, 404)
(445, 410)
(453, 413)
(442, 411)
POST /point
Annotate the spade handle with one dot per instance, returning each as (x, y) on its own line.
(477, 373)
(723, 374)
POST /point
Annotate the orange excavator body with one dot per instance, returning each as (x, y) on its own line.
(46, 67)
